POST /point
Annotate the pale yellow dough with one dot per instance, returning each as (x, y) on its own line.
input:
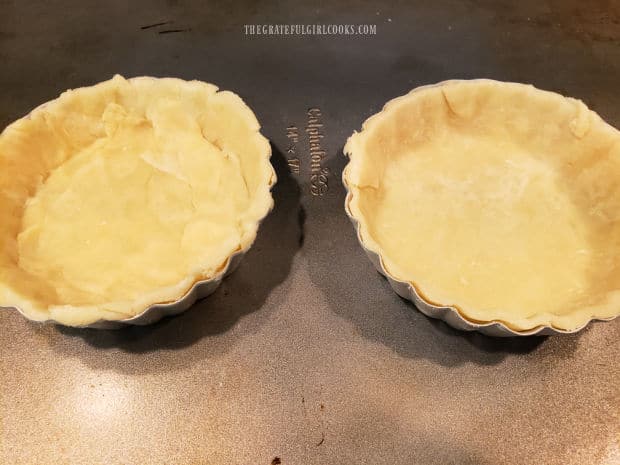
(498, 199)
(121, 195)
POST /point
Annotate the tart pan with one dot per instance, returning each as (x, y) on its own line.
(119, 131)
(460, 101)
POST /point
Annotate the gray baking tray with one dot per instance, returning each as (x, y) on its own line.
(305, 355)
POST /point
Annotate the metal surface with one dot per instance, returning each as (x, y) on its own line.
(305, 353)
(449, 314)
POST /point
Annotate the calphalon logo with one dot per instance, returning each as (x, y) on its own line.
(318, 174)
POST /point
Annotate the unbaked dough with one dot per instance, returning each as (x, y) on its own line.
(121, 195)
(498, 199)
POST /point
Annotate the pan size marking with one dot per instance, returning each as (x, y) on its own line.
(292, 133)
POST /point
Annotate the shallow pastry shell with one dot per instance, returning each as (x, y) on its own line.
(157, 311)
(407, 290)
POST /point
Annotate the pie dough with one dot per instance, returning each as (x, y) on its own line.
(121, 195)
(497, 199)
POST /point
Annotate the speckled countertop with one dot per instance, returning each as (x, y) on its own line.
(304, 355)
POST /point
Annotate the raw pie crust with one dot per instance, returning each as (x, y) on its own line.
(121, 195)
(498, 199)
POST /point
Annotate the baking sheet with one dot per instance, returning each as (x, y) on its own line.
(305, 355)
